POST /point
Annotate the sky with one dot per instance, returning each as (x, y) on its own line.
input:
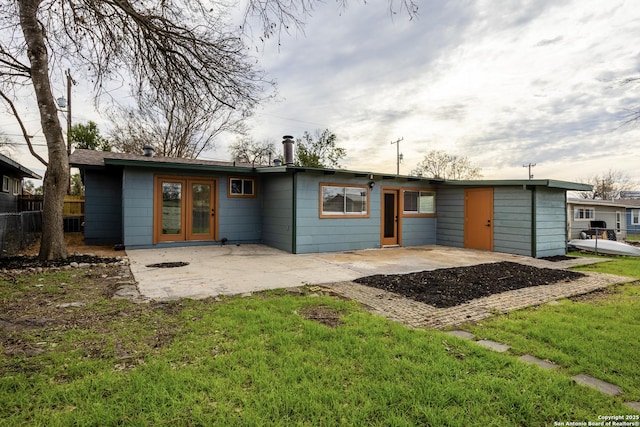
(504, 83)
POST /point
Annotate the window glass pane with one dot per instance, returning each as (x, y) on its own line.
(171, 207)
(236, 186)
(411, 201)
(355, 200)
(201, 201)
(248, 187)
(427, 202)
(635, 216)
(333, 199)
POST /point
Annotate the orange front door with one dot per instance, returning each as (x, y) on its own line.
(478, 218)
(390, 220)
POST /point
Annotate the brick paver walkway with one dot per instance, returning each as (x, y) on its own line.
(417, 314)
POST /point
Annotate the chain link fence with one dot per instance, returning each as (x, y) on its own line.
(19, 230)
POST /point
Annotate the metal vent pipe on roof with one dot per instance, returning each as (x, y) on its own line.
(147, 151)
(288, 149)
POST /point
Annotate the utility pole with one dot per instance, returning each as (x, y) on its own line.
(398, 155)
(70, 82)
(530, 165)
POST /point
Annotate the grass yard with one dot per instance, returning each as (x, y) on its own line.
(274, 359)
(595, 334)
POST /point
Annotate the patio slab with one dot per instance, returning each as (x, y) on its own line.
(232, 269)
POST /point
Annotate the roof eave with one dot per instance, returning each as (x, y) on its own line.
(172, 165)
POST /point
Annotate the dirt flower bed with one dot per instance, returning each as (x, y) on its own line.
(449, 287)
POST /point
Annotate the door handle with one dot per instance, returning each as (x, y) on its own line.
(212, 212)
(488, 224)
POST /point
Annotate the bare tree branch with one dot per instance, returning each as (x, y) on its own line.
(25, 134)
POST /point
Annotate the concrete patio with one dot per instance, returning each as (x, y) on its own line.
(226, 270)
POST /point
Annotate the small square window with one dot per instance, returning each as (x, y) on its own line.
(242, 187)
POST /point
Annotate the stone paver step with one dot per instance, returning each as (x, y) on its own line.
(495, 346)
(633, 405)
(462, 334)
(544, 364)
(604, 387)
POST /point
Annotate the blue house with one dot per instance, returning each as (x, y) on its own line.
(143, 201)
(633, 217)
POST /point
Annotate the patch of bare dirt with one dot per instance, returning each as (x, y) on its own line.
(448, 287)
(321, 313)
(76, 246)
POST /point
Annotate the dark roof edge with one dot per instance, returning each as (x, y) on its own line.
(176, 165)
(550, 183)
(23, 171)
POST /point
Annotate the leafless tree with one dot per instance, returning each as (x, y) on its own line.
(247, 150)
(180, 46)
(175, 125)
(168, 46)
(439, 164)
(607, 185)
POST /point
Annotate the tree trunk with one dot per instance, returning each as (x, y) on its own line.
(56, 178)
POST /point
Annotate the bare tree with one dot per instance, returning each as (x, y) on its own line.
(171, 46)
(247, 150)
(439, 164)
(174, 124)
(607, 185)
(168, 46)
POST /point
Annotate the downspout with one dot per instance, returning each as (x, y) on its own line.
(534, 243)
(294, 213)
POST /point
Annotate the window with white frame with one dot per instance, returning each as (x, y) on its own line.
(242, 187)
(344, 200)
(584, 213)
(16, 187)
(5, 184)
(419, 202)
(618, 222)
(635, 216)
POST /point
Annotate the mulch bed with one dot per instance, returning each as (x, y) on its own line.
(449, 287)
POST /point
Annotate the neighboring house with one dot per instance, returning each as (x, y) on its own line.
(143, 201)
(618, 215)
(12, 174)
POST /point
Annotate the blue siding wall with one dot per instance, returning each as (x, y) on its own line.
(418, 231)
(450, 210)
(137, 194)
(551, 222)
(633, 229)
(103, 207)
(512, 220)
(315, 234)
(277, 211)
(239, 218)
(8, 202)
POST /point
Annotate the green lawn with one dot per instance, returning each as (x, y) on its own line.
(258, 361)
(596, 335)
